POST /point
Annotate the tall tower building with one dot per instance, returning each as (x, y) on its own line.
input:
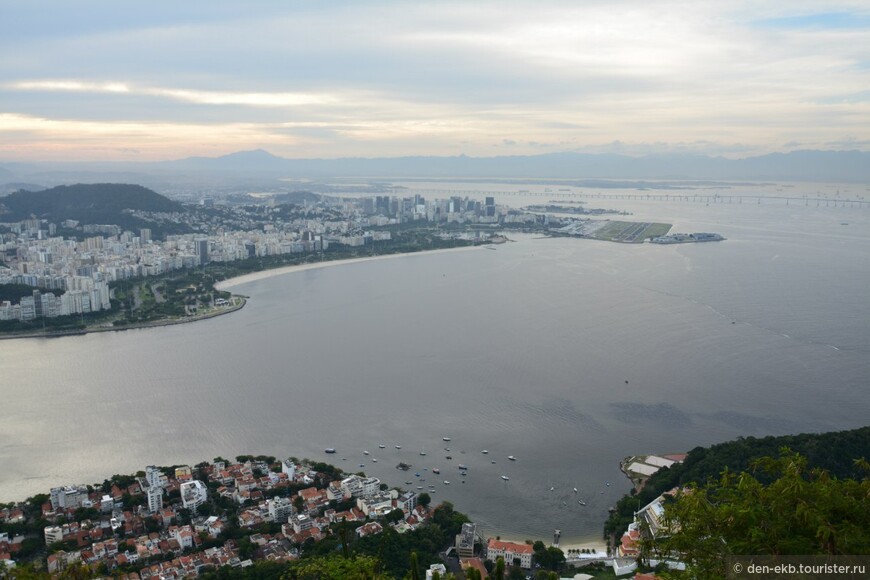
(201, 248)
(155, 499)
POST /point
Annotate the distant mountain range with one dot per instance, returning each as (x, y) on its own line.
(821, 166)
(794, 166)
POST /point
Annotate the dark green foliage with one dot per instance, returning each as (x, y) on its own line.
(95, 203)
(781, 507)
(15, 292)
(261, 570)
(550, 558)
(834, 452)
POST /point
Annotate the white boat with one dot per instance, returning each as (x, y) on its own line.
(365, 452)
(552, 488)
(485, 451)
(436, 470)
(493, 461)
(398, 446)
(581, 502)
(445, 438)
(512, 458)
(329, 450)
(446, 482)
(382, 446)
(575, 490)
(374, 460)
(505, 477)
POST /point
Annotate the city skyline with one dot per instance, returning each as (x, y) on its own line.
(100, 82)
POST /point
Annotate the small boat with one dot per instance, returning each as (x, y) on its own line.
(607, 483)
(423, 453)
(464, 467)
(447, 449)
(445, 438)
(575, 490)
(485, 451)
(493, 461)
(512, 458)
(448, 457)
(417, 474)
(505, 477)
(374, 460)
(382, 446)
(398, 446)
(436, 470)
(581, 502)
(419, 487)
(365, 452)
(409, 483)
(552, 488)
(363, 465)
(446, 482)
(329, 450)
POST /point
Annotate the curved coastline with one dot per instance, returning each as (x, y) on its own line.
(153, 324)
(223, 284)
(263, 274)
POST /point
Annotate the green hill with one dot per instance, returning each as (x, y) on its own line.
(834, 452)
(94, 203)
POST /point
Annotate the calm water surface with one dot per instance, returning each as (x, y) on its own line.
(568, 354)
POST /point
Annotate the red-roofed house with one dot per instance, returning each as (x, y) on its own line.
(509, 551)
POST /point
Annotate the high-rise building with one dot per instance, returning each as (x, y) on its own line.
(465, 540)
(145, 235)
(152, 476)
(201, 250)
(155, 499)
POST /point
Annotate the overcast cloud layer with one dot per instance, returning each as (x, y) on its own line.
(161, 80)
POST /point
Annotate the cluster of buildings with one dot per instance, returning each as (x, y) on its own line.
(78, 272)
(165, 523)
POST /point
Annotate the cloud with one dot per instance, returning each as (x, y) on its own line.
(193, 96)
(396, 78)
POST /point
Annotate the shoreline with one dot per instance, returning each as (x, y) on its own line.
(271, 272)
(228, 283)
(153, 324)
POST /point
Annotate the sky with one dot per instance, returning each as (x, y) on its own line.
(142, 81)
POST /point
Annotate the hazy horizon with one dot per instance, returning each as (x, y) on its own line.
(98, 81)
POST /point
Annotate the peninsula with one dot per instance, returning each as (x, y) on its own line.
(102, 257)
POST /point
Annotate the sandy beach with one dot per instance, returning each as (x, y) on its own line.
(263, 274)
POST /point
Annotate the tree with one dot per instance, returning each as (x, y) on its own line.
(424, 499)
(334, 568)
(499, 568)
(394, 516)
(415, 567)
(781, 508)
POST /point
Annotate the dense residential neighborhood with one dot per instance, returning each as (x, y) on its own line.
(180, 521)
(71, 265)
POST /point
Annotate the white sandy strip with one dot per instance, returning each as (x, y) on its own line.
(263, 274)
